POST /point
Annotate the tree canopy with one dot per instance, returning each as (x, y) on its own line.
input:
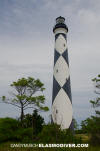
(25, 96)
(92, 125)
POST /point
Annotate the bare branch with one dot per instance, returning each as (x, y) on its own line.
(29, 103)
(28, 108)
(97, 92)
(11, 104)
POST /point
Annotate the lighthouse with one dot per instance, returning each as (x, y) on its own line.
(61, 97)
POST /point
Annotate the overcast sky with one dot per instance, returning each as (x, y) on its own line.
(27, 47)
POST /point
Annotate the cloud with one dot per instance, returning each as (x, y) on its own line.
(27, 44)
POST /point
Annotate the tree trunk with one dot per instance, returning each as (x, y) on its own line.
(22, 114)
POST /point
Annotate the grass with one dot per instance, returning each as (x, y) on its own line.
(84, 137)
(6, 147)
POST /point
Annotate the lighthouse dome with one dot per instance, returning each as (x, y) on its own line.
(60, 23)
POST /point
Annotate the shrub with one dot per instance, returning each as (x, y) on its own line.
(52, 133)
(34, 121)
(8, 126)
(92, 127)
(23, 135)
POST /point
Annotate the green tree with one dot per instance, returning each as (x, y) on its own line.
(92, 125)
(34, 121)
(96, 103)
(75, 124)
(25, 96)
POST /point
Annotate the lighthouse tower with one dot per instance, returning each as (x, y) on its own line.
(61, 101)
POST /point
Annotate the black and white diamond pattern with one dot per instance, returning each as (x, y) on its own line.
(61, 71)
(62, 107)
(60, 44)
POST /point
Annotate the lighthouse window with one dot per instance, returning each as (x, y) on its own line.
(56, 111)
(64, 45)
(57, 70)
